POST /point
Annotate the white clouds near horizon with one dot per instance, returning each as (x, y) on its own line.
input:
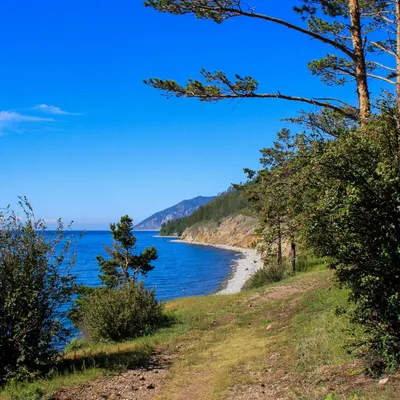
(13, 121)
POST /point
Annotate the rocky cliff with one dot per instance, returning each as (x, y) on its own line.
(238, 230)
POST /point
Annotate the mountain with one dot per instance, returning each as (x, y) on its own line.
(182, 209)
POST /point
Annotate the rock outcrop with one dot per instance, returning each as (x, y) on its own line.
(238, 230)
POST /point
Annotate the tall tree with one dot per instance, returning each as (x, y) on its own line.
(336, 23)
(272, 193)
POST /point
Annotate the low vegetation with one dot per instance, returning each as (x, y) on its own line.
(122, 308)
(118, 315)
(270, 273)
(281, 340)
(35, 282)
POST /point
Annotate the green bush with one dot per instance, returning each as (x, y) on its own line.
(268, 274)
(35, 284)
(354, 219)
(119, 314)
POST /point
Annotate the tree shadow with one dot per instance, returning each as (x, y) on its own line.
(115, 360)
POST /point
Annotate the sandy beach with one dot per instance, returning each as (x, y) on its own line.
(243, 268)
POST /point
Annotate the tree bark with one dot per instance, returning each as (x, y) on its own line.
(293, 254)
(279, 255)
(360, 65)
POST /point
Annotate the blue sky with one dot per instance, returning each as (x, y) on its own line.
(84, 139)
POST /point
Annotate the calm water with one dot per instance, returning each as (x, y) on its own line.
(181, 270)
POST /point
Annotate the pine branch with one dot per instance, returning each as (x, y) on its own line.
(218, 87)
(384, 49)
(383, 66)
(219, 11)
(382, 78)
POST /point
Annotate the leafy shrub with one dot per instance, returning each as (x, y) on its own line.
(119, 314)
(355, 220)
(268, 274)
(35, 282)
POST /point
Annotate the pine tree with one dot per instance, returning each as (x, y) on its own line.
(123, 267)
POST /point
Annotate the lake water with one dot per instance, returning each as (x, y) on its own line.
(181, 270)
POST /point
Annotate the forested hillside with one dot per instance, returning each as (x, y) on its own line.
(227, 203)
(180, 210)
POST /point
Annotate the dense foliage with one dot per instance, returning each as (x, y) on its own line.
(120, 314)
(344, 204)
(227, 203)
(35, 283)
(355, 219)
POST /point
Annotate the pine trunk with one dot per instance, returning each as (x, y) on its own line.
(279, 255)
(293, 254)
(360, 65)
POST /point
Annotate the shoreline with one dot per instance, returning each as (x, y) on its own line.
(242, 268)
(171, 237)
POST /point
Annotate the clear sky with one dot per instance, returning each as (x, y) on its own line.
(84, 139)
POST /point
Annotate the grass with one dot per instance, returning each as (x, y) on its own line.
(282, 339)
(318, 333)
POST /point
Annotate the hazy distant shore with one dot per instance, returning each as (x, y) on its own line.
(243, 267)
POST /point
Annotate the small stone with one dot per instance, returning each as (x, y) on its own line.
(269, 326)
(142, 378)
(250, 305)
(151, 386)
(112, 397)
(383, 381)
(156, 371)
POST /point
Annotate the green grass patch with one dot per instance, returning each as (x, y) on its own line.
(318, 334)
(86, 361)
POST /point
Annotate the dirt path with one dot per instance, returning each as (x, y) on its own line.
(143, 384)
(243, 349)
(206, 360)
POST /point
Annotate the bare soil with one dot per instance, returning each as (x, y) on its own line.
(141, 384)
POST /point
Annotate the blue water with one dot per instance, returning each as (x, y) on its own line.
(181, 270)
